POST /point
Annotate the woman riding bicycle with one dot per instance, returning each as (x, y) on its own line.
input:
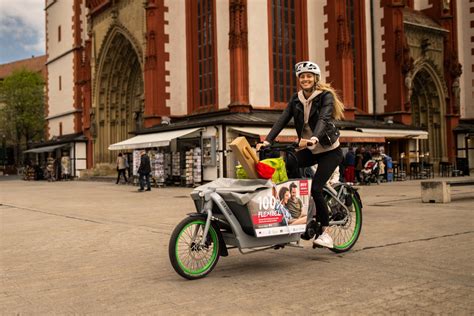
(313, 110)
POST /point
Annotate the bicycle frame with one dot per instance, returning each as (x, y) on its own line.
(337, 197)
(238, 238)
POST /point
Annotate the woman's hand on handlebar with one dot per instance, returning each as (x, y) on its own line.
(307, 143)
(264, 144)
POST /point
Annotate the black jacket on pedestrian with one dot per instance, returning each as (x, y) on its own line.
(145, 166)
(320, 119)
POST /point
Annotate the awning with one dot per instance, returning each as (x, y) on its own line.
(289, 135)
(350, 136)
(152, 140)
(45, 149)
(396, 133)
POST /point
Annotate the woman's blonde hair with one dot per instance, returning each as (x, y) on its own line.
(338, 113)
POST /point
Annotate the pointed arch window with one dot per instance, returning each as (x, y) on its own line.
(288, 45)
(356, 18)
(202, 55)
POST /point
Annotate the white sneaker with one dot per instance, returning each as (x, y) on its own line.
(324, 240)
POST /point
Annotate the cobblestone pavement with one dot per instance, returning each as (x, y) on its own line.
(100, 248)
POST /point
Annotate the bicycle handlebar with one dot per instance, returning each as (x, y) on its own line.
(283, 147)
(280, 147)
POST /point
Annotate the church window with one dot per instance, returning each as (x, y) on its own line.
(356, 21)
(288, 45)
(202, 59)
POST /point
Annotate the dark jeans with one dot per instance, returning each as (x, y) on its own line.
(327, 163)
(121, 172)
(142, 177)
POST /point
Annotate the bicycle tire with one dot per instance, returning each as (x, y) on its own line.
(354, 236)
(193, 267)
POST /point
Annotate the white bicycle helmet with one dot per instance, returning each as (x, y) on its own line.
(307, 66)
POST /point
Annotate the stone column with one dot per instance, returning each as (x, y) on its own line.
(397, 60)
(155, 58)
(341, 73)
(87, 101)
(238, 47)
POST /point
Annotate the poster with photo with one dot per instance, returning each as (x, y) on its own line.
(282, 209)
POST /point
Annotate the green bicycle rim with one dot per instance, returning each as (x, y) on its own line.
(214, 251)
(357, 227)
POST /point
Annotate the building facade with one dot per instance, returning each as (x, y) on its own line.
(65, 41)
(136, 66)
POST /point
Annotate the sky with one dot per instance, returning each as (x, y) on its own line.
(21, 29)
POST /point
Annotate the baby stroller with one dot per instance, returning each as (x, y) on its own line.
(370, 173)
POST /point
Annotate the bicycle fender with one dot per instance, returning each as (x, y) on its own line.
(357, 196)
(354, 192)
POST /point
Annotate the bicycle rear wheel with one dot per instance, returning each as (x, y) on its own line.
(345, 236)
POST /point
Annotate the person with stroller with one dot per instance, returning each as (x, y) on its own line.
(313, 109)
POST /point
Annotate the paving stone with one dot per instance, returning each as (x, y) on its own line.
(96, 248)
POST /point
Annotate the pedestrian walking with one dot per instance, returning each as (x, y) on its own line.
(127, 166)
(349, 165)
(144, 171)
(121, 166)
(51, 174)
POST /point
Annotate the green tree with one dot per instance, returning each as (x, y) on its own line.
(22, 110)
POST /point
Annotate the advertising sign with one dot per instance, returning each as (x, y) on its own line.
(282, 209)
(136, 162)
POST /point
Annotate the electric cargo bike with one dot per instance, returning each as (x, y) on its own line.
(248, 215)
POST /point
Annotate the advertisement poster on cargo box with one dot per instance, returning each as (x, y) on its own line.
(282, 209)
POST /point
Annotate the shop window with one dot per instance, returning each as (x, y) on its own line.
(288, 45)
(356, 16)
(202, 79)
(209, 151)
(59, 33)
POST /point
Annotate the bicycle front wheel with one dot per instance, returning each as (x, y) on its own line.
(345, 236)
(189, 257)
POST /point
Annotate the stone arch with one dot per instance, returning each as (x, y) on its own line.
(118, 91)
(430, 66)
(114, 28)
(428, 105)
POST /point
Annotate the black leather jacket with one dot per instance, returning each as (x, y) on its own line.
(320, 119)
(145, 166)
